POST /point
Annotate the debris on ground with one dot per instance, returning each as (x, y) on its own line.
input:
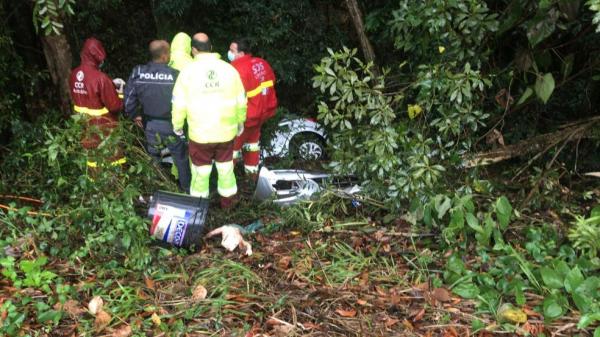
(232, 238)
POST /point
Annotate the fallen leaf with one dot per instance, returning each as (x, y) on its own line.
(391, 322)
(102, 320)
(274, 321)
(346, 313)
(283, 330)
(408, 325)
(450, 332)
(199, 293)
(441, 295)
(419, 315)
(284, 262)
(381, 291)
(422, 286)
(149, 283)
(96, 304)
(362, 302)
(123, 331)
(507, 312)
(364, 279)
(71, 307)
(310, 325)
(155, 319)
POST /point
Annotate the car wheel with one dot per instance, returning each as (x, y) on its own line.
(307, 146)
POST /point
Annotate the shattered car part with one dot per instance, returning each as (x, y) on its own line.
(286, 187)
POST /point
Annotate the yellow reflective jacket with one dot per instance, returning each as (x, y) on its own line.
(181, 49)
(210, 95)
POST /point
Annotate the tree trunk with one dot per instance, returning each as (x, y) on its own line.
(365, 44)
(58, 56)
(540, 144)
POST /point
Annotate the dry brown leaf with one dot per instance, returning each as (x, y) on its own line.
(408, 325)
(441, 295)
(364, 279)
(390, 322)
(149, 283)
(419, 315)
(310, 325)
(96, 305)
(123, 331)
(381, 291)
(199, 293)
(102, 320)
(274, 321)
(284, 262)
(71, 307)
(155, 319)
(362, 302)
(422, 286)
(450, 332)
(346, 313)
(283, 330)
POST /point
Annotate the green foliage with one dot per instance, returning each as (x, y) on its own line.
(366, 136)
(566, 280)
(595, 6)
(86, 214)
(401, 158)
(585, 233)
(48, 15)
(30, 276)
(432, 30)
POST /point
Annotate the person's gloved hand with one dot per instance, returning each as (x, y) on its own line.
(240, 129)
(119, 84)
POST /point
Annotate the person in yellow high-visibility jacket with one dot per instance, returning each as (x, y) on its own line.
(210, 95)
(181, 49)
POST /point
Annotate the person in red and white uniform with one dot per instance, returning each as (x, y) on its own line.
(259, 83)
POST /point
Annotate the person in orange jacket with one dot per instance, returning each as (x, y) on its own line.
(259, 82)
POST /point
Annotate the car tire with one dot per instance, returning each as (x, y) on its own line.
(307, 146)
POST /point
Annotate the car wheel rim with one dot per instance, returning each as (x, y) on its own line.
(310, 150)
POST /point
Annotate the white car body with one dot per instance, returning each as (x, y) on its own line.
(290, 128)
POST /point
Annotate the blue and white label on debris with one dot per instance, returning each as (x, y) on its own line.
(170, 224)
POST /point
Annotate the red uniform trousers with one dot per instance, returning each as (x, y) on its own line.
(248, 143)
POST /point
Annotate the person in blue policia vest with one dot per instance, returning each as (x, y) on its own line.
(151, 87)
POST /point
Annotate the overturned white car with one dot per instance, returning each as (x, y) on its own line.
(302, 138)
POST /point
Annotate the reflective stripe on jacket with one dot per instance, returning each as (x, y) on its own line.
(259, 83)
(210, 95)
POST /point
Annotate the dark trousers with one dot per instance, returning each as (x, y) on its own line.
(159, 134)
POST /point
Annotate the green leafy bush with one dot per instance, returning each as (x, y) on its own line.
(585, 234)
(84, 214)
